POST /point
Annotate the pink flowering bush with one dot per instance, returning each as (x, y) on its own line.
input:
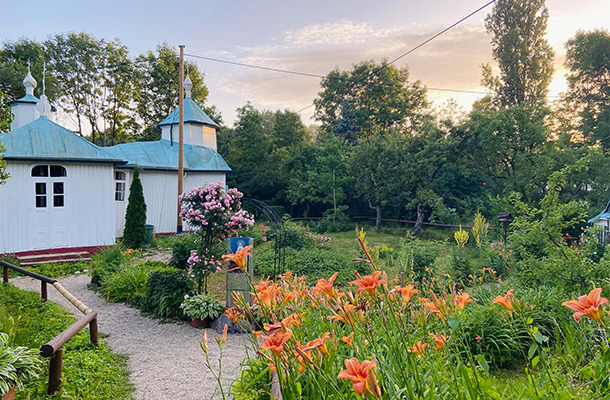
(217, 215)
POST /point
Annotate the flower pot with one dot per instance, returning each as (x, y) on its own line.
(10, 395)
(200, 323)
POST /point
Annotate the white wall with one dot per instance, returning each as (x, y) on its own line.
(161, 197)
(86, 219)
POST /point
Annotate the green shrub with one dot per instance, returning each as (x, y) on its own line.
(181, 250)
(134, 234)
(313, 263)
(165, 292)
(106, 263)
(129, 284)
(202, 306)
(416, 260)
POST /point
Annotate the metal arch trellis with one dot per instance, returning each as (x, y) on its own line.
(279, 259)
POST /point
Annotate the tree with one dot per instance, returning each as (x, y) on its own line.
(382, 98)
(5, 124)
(347, 129)
(159, 95)
(524, 56)
(134, 234)
(217, 215)
(588, 59)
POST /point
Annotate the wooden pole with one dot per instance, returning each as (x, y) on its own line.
(5, 273)
(43, 291)
(181, 138)
(55, 372)
(93, 331)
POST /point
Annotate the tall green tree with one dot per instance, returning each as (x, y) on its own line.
(382, 98)
(158, 95)
(524, 56)
(588, 61)
(134, 234)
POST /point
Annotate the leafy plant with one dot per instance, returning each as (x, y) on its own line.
(106, 263)
(165, 292)
(129, 284)
(202, 306)
(18, 365)
(181, 250)
(480, 228)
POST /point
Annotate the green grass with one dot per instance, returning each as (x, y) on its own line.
(88, 373)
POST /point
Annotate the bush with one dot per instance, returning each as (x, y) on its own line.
(417, 260)
(181, 250)
(313, 263)
(106, 263)
(165, 292)
(202, 306)
(134, 234)
(129, 284)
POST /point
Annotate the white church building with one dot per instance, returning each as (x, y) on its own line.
(67, 196)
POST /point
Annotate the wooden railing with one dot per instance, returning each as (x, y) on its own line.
(53, 348)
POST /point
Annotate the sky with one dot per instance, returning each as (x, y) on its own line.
(314, 37)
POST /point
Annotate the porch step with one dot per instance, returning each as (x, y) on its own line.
(26, 260)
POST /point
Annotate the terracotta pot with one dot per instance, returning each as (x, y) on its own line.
(201, 323)
(10, 395)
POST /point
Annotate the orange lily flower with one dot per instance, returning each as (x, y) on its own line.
(368, 283)
(587, 305)
(346, 314)
(462, 300)
(257, 334)
(357, 373)
(240, 257)
(504, 301)
(348, 339)
(232, 313)
(276, 343)
(406, 292)
(326, 286)
(262, 285)
(269, 295)
(419, 348)
(273, 329)
(437, 305)
(439, 340)
(292, 319)
(321, 342)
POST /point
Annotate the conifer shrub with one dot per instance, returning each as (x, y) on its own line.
(134, 234)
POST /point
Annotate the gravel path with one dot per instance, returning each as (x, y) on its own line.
(165, 360)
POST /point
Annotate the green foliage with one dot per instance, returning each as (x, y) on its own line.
(106, 263)
(129, 283)
(181, 250)
(417, 260)
(524, 56)
(18, 365)
(165, 293)
(202, 306)
(314, 263)
(588, 60)
(88, 373)
(134, 234)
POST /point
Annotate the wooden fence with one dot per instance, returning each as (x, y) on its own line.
(53, 348)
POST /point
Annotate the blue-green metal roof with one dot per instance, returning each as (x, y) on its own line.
(28, 98)
(604, 214)
(45, 140)
(163, 155)
(192, 113)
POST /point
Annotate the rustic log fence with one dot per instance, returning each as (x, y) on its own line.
(54, 348)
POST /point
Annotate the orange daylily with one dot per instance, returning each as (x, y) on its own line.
(419, 348)
(326, 286)
(321, 342)
(587, 305)
(292, 319)
(348, 339)
(406, 292)
(276, 343)
(232, 313)
(240, 257)
(437, 305)
(504, 301)
(357, 373)
(462, 300)
(439, 340)
(269, 295)
(346, 314)
(368, 283)
(262, 285)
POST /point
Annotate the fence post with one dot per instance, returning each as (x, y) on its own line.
(93, 331)
(43, 291)
(5, 274)
(55, 372)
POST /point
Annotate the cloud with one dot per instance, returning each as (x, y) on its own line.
(451, 61)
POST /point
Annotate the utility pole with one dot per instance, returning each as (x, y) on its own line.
(180, 138)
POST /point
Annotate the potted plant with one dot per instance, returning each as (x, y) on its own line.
(18, 365)
(202, 309)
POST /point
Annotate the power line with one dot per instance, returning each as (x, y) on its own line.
(410, 51)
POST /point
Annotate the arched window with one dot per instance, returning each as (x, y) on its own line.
(53, 171)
